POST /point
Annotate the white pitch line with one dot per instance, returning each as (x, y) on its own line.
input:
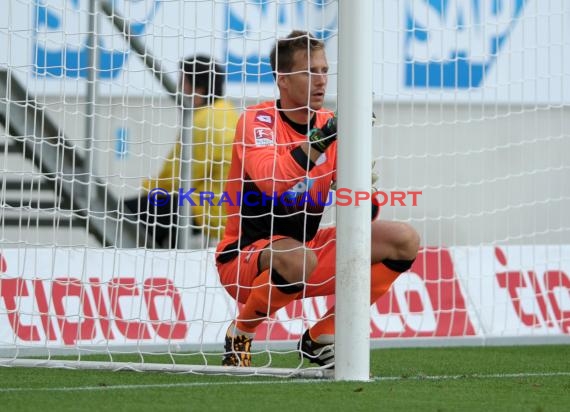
(288, 382)
(472, 376)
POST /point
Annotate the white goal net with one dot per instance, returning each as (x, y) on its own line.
(102, 252)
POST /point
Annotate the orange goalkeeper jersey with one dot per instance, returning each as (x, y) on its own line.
(273, 188)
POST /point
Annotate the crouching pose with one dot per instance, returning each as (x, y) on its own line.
(283, 164)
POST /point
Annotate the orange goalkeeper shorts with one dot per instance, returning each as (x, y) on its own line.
(238, 274)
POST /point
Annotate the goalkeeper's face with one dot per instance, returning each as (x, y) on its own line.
(307, 83)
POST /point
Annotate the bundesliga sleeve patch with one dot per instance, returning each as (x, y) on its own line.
(263, 136)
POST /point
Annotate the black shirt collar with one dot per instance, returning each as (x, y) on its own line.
(298, 127)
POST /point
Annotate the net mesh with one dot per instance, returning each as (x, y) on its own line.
(471, 104)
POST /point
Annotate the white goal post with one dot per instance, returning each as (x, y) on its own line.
(470, 143)
(352, 321)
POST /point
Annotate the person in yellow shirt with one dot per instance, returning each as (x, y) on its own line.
(214, 120)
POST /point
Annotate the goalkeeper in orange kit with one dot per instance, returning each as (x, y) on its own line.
(273, 251)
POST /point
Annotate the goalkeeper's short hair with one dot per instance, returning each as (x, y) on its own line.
(281, 57)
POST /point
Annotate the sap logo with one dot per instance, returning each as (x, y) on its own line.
(61, 33)
(299, 188)
(452, 44)
(251, 26)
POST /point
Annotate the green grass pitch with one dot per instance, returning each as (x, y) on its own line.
(523, 378)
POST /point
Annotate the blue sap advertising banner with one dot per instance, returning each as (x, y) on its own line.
(454, 44)
(441, 50)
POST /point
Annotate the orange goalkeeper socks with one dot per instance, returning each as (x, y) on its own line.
(381, 279)
(323, 331)
(264, 300)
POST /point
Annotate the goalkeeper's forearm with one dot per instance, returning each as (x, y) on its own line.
(311, 152)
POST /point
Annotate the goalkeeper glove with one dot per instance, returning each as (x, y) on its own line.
(322, 138)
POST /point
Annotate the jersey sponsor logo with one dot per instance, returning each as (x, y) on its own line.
(298, 195)
(263, 136)
(453, 44)
(300, 187)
